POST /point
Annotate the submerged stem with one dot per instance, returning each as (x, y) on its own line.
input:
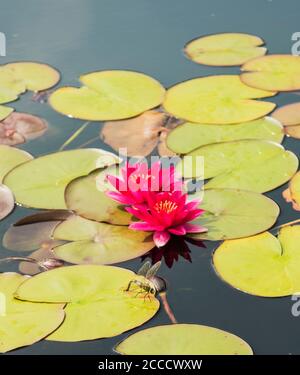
(23, 259)
(287, 224)
(74, 136)
(167, 307)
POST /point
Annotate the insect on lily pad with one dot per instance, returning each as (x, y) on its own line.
(108, 95)
(273, 72)
(222, 99)
(97, 304)
(262, 265)
(183, 339)
(226, 49)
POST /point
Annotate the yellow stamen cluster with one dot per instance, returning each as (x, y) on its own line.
(166, 206)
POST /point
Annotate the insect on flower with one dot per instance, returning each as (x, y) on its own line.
(153, 284)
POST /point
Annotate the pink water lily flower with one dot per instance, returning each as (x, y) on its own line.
(136, 180)
(167, 213)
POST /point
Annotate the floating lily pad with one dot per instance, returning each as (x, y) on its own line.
(235, 213)
(254, 165)
(139, 135)
(180, 339)
(227, 49)
(292, 193)
(288, 114)
(24, 323)
(31, 75)
(10, 86)
(7, 201)
(273, 72)
(99, 243)
(222, 99)
(262, 265)
(5, 111)
(97, 306)
(21, 127)
(189, 136)
(50, 174)
(11, 157)
(86, 196)
(108, 95)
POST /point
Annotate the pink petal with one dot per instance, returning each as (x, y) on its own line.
(178, 231)
(142, 225)
(194, 228)
(118, 197)
(160, 238)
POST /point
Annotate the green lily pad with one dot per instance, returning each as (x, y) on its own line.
(254, 165)
(235, 214)
(99, 243)
(24, 323)
(50, 174)
(292, 193)
(98, 305)
(28, 75)
(273, 72)
(221, 99)
(108, 95)
(11, 157)
(262, 265)
(226, 49)
(5, 111)
(10, 86)
(86, 196)
(183, 339)
(189, 136)
(7, 201)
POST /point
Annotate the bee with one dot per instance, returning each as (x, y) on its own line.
(153, 285)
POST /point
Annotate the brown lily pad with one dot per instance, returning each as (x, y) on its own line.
(21, 127)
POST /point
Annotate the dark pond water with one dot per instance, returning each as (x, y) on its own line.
(78, 36)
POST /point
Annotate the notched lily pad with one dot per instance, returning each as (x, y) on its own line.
(254, 165)
(183, 339)
(262, 265)
(99, 243)
(108, 95)
(235, 213)
(226, 49)
(50, 174)
(24, 323)
(222, 99)
(98, 306)
(189, 136)
(21, 127)
(11, 157)
(273, 72)
(86, 196)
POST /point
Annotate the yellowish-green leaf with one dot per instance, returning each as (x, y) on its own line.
(86, 196)
(10, 157)
(108, 95)
(273, 72)
(189, 136)
(5, 111)
(183, 339)
(31, 76)
(222, 99)
(98, 305)
(254, 165)
(41, 182)
(226, 49)
(235, 213)
(24, 323)
(99, 243)
(262, 265)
